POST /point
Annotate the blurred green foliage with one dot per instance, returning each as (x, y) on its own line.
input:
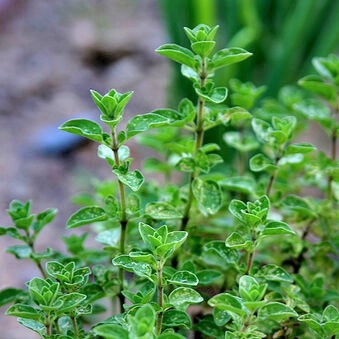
(284, 34)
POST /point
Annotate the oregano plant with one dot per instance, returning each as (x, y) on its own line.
(213, 248)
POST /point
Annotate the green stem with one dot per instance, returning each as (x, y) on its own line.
(199, 138)
(273, 176)
(123, 221)
(160, 298)
(75, 327)
(249, 264)
(37, 261)
(48, 326)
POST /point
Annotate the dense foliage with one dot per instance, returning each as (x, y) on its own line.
(235, 250)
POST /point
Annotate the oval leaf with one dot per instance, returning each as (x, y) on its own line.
(208, 195)
(85, 216)
(162, 211)
(86, 128)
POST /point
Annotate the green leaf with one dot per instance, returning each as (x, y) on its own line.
(133, 179)
(144, 122)
(146, 231)
(158, 118)
(250, 289)
(217, 96)
(239, 184)
(300, 206)
(228, 56)
(9, 295)
(228, 302)
(203, 48)
(11, 232)
(71, 301)
(235, 114)
(184, 278)
(208, 328)
(20, 251)
(221, 318)
(85, 216)
(142, 324)
(313, 322)
(218, 254)
(236, 241)
(111, 331)
(276, 228)
(276, 311)
(330, 314)
(262, 129)
(44, 218)
(242, 143)
(178, 54)
(208, 195)
(299, 148)
(24, 311)
(273, 272)
(260, 162)
(162, 211)
(109, 237)
(106, 153)
(181, 297)
(127, 263)
(315, 84)
(208, 277)
(187, 109)
(186, 164)
(86, 128)
(33, 325)
(176, 318)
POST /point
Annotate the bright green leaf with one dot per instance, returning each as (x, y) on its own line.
(85, 216)
(86, 128)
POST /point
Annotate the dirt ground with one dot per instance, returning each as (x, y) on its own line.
(51, 54)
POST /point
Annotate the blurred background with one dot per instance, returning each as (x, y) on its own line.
(53, 52)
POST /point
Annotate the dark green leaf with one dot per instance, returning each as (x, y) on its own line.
(208, 277)
(9, 295)
(174, 318)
